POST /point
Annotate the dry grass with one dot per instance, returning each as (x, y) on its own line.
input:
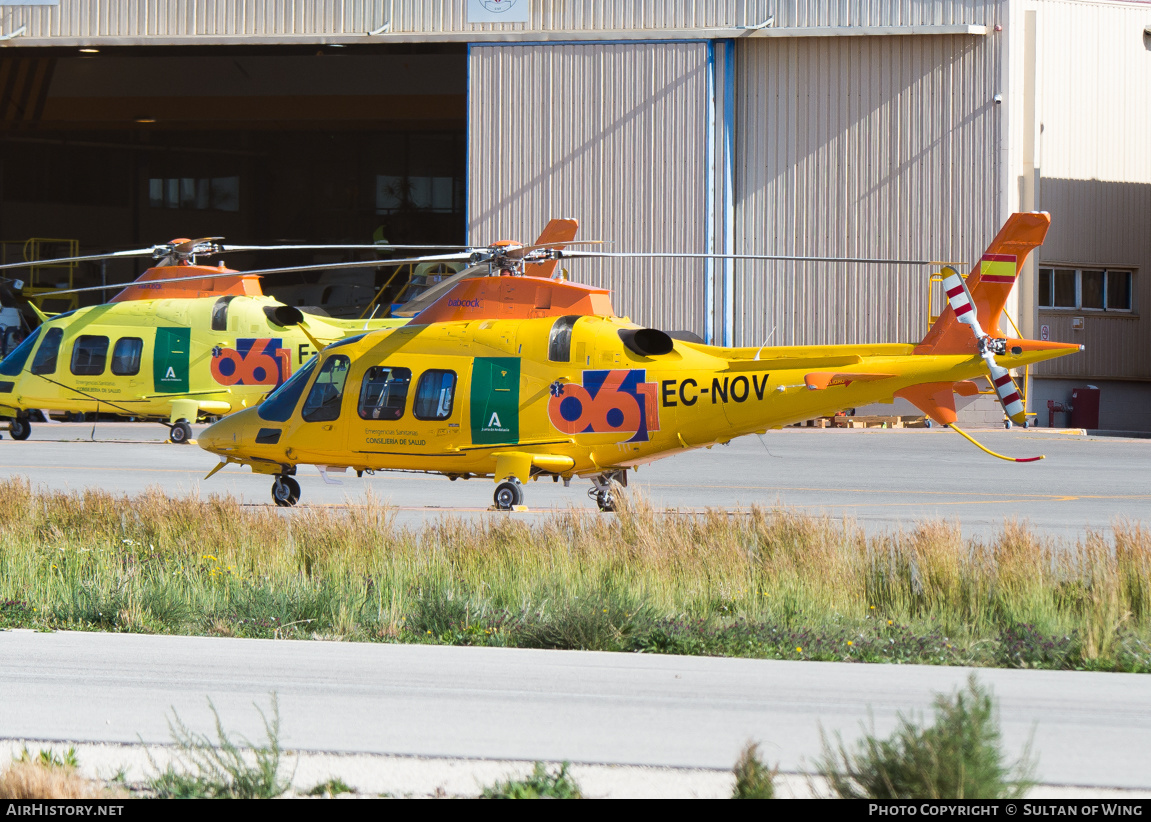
(32, 780)
(154, 563)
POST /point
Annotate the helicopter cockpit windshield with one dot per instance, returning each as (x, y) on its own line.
(279, 405)
(13, 364)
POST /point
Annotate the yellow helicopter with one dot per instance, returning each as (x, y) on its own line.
(184, 341)
(562, 387)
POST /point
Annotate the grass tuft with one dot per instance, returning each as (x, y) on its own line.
(50, 759)
(47, 776)
(957, 757)
(542, 784)
(330, 787)
(224, 769)
(753, 779)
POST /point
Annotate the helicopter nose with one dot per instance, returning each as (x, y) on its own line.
(223, 437)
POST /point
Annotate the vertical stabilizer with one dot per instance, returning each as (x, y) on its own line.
(557, 231)
(989, 285)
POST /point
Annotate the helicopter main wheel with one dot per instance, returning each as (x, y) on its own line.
(605, 501)
(19, 429)
(181, 432)
(509, 494)
(285, 491)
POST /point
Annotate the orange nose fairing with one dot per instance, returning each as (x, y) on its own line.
(516, 298)
(225, 282)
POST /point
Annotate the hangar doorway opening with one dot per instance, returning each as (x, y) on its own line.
(129, 147)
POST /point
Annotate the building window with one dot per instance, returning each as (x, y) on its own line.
(1086, 289)
(195, 193)
(440, 195)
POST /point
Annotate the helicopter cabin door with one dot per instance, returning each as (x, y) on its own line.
(408, 407)
(495, 401)
(170, 360)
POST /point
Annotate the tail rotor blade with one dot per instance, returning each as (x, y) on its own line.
(1008, 393)
(959, 298)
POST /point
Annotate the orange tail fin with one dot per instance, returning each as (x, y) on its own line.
(990, 283)
(556, 231)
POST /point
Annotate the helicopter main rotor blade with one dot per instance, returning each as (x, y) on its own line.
(263, 272)
(137, 252)
(557, 244)
(432, 258)
(338, 247)
(421, 301)
(676, 255)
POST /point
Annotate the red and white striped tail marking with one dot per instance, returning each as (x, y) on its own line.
(997, 268)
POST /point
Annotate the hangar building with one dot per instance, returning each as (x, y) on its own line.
(838, 128)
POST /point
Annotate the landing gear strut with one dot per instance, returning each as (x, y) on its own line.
(604, 489)
(285, 491)
(509, 494)
(180, 432)
(19, 428)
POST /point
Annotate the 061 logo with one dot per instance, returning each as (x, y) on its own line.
(254, 361)
(608, 402)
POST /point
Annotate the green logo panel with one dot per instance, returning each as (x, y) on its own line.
(496, 400)
(170, 363)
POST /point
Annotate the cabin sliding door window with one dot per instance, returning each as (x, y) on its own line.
(89, 356)
(434, 395)
(323, 402)
(126, 356)
(384, 393)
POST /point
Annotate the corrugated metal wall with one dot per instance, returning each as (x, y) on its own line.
(862, 147)
(613, 135)
(1094, 106)
(95, 20)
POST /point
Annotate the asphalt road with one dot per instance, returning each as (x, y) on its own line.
(883, 479)
(1089, 729)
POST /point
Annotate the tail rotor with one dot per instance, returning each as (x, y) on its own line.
(959, 298)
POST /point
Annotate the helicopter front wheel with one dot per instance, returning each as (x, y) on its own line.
(285, 491)
(180, 432)
(509, 494)
(20, 429)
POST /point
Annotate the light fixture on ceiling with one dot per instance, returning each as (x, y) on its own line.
(89, 51)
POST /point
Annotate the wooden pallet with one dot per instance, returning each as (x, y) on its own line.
(868, 421)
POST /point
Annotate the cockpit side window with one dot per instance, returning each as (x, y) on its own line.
(89, 355)
(560, 343)
(323, 402)
(45, 360)
(384, 393)
(13, 364)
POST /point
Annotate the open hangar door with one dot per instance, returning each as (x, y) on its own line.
(128, 147)
(612, 134)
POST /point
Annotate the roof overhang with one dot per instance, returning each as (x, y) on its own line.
(17, 38)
